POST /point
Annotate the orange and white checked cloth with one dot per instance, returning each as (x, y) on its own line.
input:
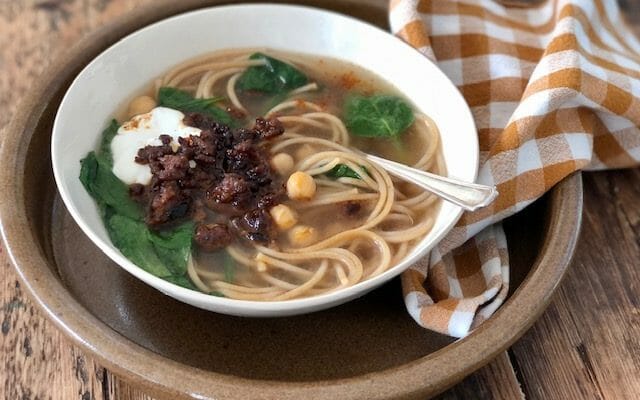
(553, 89)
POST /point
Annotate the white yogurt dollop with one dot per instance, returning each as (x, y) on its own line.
(143, 130)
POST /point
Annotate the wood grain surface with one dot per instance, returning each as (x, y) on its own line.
(585, 346)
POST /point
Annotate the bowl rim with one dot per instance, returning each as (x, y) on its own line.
(138, 365)
(252, 307)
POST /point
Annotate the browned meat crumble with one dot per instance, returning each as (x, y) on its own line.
(225, 170)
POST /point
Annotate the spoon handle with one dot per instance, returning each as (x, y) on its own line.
(469, 196)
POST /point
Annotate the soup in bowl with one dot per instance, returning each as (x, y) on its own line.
(231, 173)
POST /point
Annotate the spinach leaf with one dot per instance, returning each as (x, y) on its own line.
(272, 78)
(380, 116)
(106, 188)
(342, 171)
(131, 238)
(174, 247)
(183, 101)
(105, 144)
(163, 254)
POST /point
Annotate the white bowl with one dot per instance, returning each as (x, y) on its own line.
(127, 66)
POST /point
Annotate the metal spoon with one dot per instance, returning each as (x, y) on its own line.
(469, 196)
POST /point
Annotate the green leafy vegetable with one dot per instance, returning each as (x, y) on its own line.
(163, 254)
(342, 171)
(272, 78)
(132, 239)
(174, 247)
(106, 188)
(105, 144)
(380, 116)
(183, 101)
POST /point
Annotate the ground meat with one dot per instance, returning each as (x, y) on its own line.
(138, 192)
(232, 189)
(165, 139)
(149, 153)
(261, 174)
(167, 202)
(258, 221)
(171, 167)
(351, 209)
(223, 169)
(242, 156)
(212, 237)
(255, 226)
(272, 199)
(201, 148)
(268, 128)
(201, 121)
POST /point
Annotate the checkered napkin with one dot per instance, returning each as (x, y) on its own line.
(553, 89)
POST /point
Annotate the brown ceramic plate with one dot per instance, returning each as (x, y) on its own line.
(367, 349)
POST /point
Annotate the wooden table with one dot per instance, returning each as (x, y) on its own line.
(585, 346)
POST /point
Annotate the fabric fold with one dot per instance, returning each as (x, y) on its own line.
(553, 89)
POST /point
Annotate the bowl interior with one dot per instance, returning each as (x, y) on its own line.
(122, 70)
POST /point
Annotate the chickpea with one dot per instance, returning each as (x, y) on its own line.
(282, 163)
(261, 263)
(283, 216)
(301, 186)
(141, 105)
(302, 235)
(262, 266)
